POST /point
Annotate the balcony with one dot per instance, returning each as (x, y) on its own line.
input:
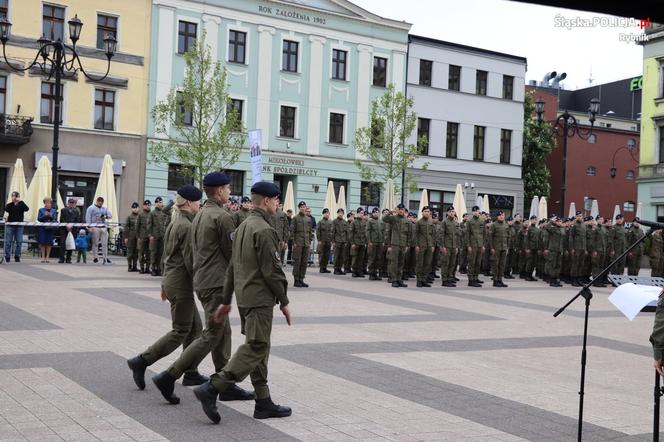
(15, 129)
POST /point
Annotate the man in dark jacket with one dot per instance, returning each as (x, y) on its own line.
(16, 210)
(69, 214)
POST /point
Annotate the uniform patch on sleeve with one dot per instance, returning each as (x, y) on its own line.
(232, 235)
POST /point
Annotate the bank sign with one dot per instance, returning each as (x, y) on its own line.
(287, 166)
(636, 84)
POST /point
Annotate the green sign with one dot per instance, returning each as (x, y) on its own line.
(636, 84)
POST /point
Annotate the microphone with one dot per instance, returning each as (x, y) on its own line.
(651, 224)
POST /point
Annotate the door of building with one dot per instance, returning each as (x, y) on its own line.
(282, 182)
(81, 188)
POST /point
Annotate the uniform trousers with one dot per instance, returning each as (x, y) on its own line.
(423, 263)
(156, 252)
(474, 263)
(375, 252)
(339, 255)
(396, 256)
(324, 248)
(553, 262)
(448, 263)
(144, 251)
(634, 264)
(357, 252)
(498, 260)
(132, 250)
(300, 261)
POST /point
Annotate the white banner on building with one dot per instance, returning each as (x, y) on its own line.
(256, 156)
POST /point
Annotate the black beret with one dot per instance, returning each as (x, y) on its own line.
(401, 206)
(375, 210)
(619, 216)
(533, 217)
(598, 217)
(190, 193)
(450, 208)
(301, 204)
(326, 211)
(386, 210)
(158, 200)
(216, 179)
(246, 199)
(349, 214)
(510, 219)
(588, 218)
(578, 212)
(265, 188)
(360, 210)
(340, 210)
(517, 214)
(147, 202)
(465, 214)
(425, 208)
(233, 200)
(134, 205)
(500, 212)
(475, 208)
(637, 219)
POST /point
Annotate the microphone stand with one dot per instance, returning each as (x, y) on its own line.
(587, 295)
(658, 393)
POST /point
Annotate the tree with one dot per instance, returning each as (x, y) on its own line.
(203, 130)
(383, 146)
(538, 142)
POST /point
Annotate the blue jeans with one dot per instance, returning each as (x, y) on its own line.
(13, 233)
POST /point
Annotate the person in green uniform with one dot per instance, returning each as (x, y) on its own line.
(243, 212)
(597, 249)
(619, 244)
(566, 262)
(325, 235)
(657, 255)
(553, 250)
(449, 246)
(513, 236)
(540, 266)
(386, 238)
(348, 259)
(339, 241)
(280, 224)
(144, 237)
(578, 248)
(424, 240)
(177, 288)
(398, 243)
(375, 244)
(411, 257)
(475, 247)
(259, 284)
(157, 222)
(463, 250)
(529, 247)
(130, 233)
(498, 235)
(358, 241)
(302, 236)
(636, 254)
(212, 234)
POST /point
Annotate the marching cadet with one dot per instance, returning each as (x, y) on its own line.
(242, 214)
(386, 239)
(463, 251)
(339, 241)
(553, 250)
(449, 246)
(634, 257)
(578, 249)
(325, 235)
(212, 233)
(657, 254)
(348, 259)
(130, 232)
(259, 283)
(302, 236)
(157, 222)
(597, 249)
(618, 244)
(375, 244)
(144, 237)
(358, 243)
(531, 248)
(177, 288)
(498, 243)
(475, 247)
(280, 224)
(397, 243)
(424, 240)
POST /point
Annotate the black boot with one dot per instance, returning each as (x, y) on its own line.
(192, 378)
(166, 385)
(235, 393)
(401, 284)
(265, 408)
(474, 283)
(154, 272)
(303, 284)
(129, 267)
(555, 283)
(134, 268)
(396, 284)
(138, 366)
(576, 282)
(419, 284)
(338, 272)
(207, 394)
(297, 283)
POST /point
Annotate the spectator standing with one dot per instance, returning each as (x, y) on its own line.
(98, 214)
(69, 214)
(14, 234)
(47, 214)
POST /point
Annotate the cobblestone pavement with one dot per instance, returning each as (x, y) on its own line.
(362, 361)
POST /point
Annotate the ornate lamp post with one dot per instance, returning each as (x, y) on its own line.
(568, 126)
(58, 60)
(631, 148)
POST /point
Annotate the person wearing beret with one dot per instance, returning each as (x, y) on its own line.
(375, 244)
(618, 240)
(243, 213)
(176, 288)
(143, 234)
(157, 222)
(475, 247)
(130, 233)
(634, 257)
(358, 241)
(498, 243)
(259, 283)
(397, 243)
(212, 241)
(302, 236)
(325, 235)
(577, 249)
(424, 245)
(339, 241)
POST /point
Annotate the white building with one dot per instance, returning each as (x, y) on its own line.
(470, 105)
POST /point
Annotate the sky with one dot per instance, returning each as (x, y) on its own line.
(532, 31)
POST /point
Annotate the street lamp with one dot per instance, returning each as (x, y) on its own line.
(567, 125)
(63, 61)
(631, 147)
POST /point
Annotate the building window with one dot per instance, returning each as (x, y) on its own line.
(630, 175)
(336, 128)
(661, 144)
(337, 186)
(380, 72)
(4, 8)
(53, 22)
(237, 44)
(186, 116)
(106, 25)
(186, 36)
(179, 175)
(505, 146)
(478, 143)
(104, 107)
(508, 87)
(47, 106)
(452, 140)
(370, 194)
(439, 201)
(289, 56)
(238, 107)
(423, 125)
(339, 64)
(377, 133)
(3, 94)
(426, 67)
(287, 122)
(629, 206)
(480, 82)
(660, 214)
(454, 78)
(237, 182)
(591, 171)
(661, 79)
